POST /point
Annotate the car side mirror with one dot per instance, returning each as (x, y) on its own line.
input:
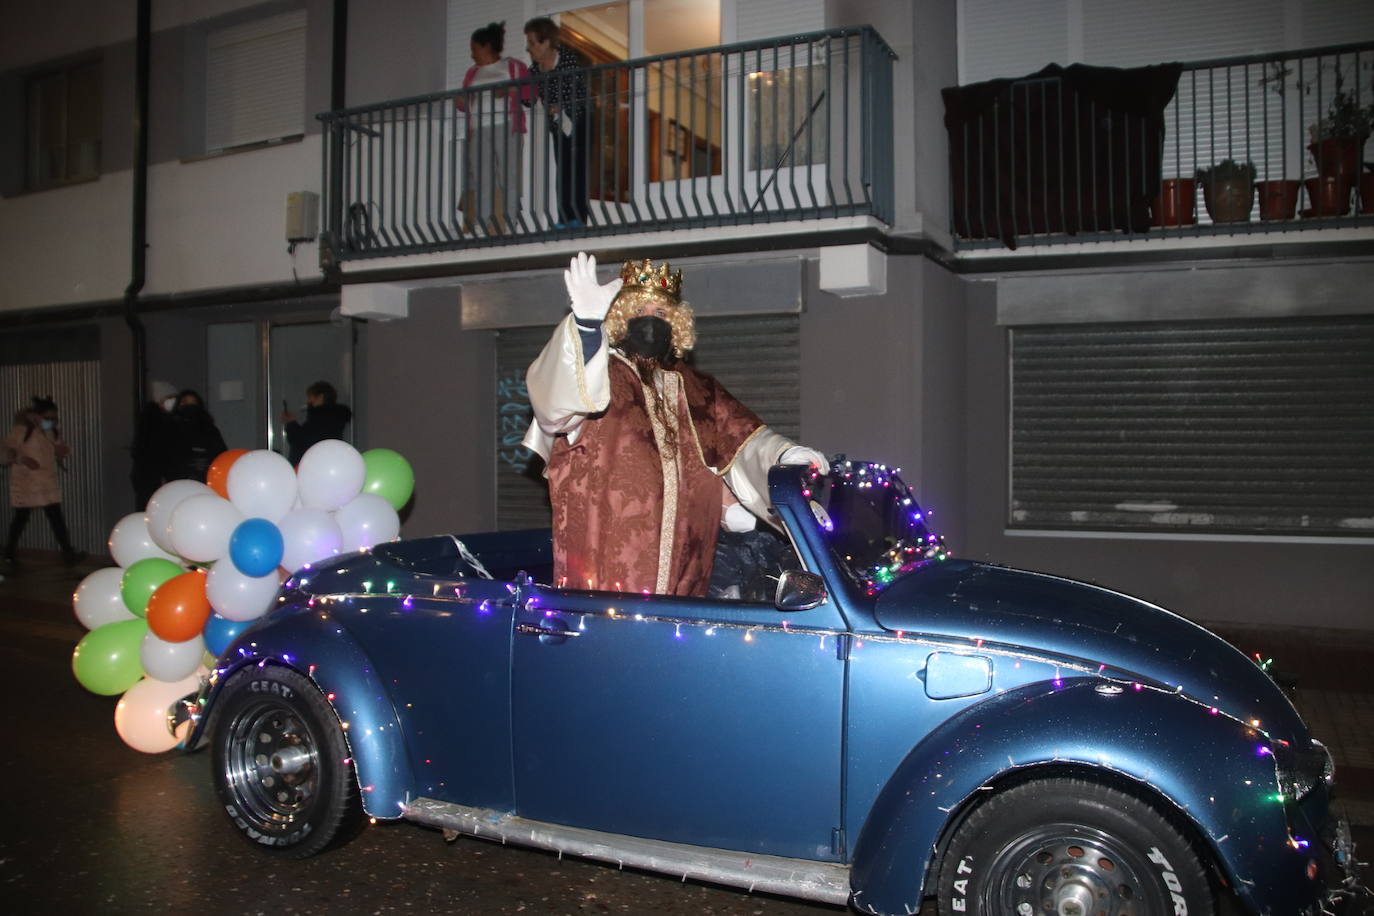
(799, 590)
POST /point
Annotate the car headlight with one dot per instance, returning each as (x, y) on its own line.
(1302, 769)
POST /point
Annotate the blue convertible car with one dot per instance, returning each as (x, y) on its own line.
(891, 724)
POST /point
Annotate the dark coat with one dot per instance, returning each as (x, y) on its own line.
(324, 422)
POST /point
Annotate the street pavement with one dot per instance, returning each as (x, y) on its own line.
(92, 826)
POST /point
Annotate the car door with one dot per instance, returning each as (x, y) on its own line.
(712, 723)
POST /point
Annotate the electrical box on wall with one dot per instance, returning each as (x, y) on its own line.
(302, 216)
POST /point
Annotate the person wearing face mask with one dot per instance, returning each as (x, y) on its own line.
(193, 439)
(33, 449)
(643, 453)
(151, 446)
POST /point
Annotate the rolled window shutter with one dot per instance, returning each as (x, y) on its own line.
(1262, 427)
(255, 81)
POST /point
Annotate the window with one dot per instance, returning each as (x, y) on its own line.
(63, 129)
(255, 81)
(1261, 427)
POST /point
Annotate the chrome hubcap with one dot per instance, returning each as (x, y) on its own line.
(1051, 874)
(272, 766)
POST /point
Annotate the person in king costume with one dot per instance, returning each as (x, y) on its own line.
(645, 456)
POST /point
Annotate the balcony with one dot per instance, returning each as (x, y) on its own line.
(796, 128)
(1064, 157)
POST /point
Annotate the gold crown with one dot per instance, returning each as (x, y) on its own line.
(643, 275)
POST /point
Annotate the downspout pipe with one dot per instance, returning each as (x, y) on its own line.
(139, 234)
(338, 76)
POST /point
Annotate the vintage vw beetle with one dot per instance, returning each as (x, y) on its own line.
(894, 725)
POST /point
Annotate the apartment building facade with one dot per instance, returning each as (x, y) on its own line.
(1179, 407)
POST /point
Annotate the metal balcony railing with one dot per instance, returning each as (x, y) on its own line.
(1061, 158)
(795, 128)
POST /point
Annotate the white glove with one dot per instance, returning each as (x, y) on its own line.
(590, 300)
(800, 454)
(737, 518)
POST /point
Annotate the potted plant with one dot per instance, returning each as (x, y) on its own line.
(1174, 205)
(1228, 189)
(1339, 137)
(1278, 198)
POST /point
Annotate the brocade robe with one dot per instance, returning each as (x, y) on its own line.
(631, 513)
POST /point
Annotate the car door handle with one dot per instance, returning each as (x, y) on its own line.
(549, 636)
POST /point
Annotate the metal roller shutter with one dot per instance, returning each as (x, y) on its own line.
(255, 81)
(1264, 427)
(757, 357)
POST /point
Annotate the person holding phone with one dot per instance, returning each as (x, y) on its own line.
(325, 418)
(32, 450)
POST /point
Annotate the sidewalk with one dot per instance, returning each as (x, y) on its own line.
(1332, 670)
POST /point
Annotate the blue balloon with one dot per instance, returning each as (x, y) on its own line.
(221, 631)
(256, 547)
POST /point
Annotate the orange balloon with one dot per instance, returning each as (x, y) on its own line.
(178, 609)
(218, 474)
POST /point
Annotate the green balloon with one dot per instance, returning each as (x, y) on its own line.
(106, 660)
(142, 579)
(388, 475)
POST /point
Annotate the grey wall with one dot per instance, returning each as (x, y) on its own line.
(862, 361)
(430, 394)
(117, 419)
(395, 55)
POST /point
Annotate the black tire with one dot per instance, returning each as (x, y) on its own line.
(281, 764)
(1065, 846)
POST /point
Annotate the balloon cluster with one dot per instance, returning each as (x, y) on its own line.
(206, 559)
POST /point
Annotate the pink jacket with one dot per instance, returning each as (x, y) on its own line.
(513, 101)
(31, 488)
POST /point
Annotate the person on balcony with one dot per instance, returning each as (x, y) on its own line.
(564, 94)
(495, 131)
(645, 455)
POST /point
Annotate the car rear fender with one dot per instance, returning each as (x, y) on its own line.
(326, 653)
(1195, 763)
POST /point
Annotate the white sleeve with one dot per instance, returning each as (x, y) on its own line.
(747, 476)
(563, 389)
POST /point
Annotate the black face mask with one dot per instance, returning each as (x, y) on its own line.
(648, 336)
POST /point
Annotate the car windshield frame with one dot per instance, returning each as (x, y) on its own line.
(872, 524)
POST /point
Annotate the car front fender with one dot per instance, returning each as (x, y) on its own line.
(1217, 772)
(324, 651)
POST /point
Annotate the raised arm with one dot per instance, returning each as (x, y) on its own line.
(570, 378)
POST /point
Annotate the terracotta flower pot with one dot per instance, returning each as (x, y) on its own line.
(1176, 203)
(1327, 195)
(1278, 198)
(1229, 201)
(1367, 192)
(1338, 157)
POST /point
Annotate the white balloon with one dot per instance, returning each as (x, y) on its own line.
(366, 520)
(130, 541)
(238, 597)
(170, 661)
(330, 474)
(97, 600)
(308, 536)
(141, 714)
(164, 503)
(202, 525)
(262, 484)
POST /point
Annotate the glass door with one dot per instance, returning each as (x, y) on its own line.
(298, 355)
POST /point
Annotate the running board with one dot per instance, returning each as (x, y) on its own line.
(826, 882)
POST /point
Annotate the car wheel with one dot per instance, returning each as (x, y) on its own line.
(1069, 847)
(281, 764)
